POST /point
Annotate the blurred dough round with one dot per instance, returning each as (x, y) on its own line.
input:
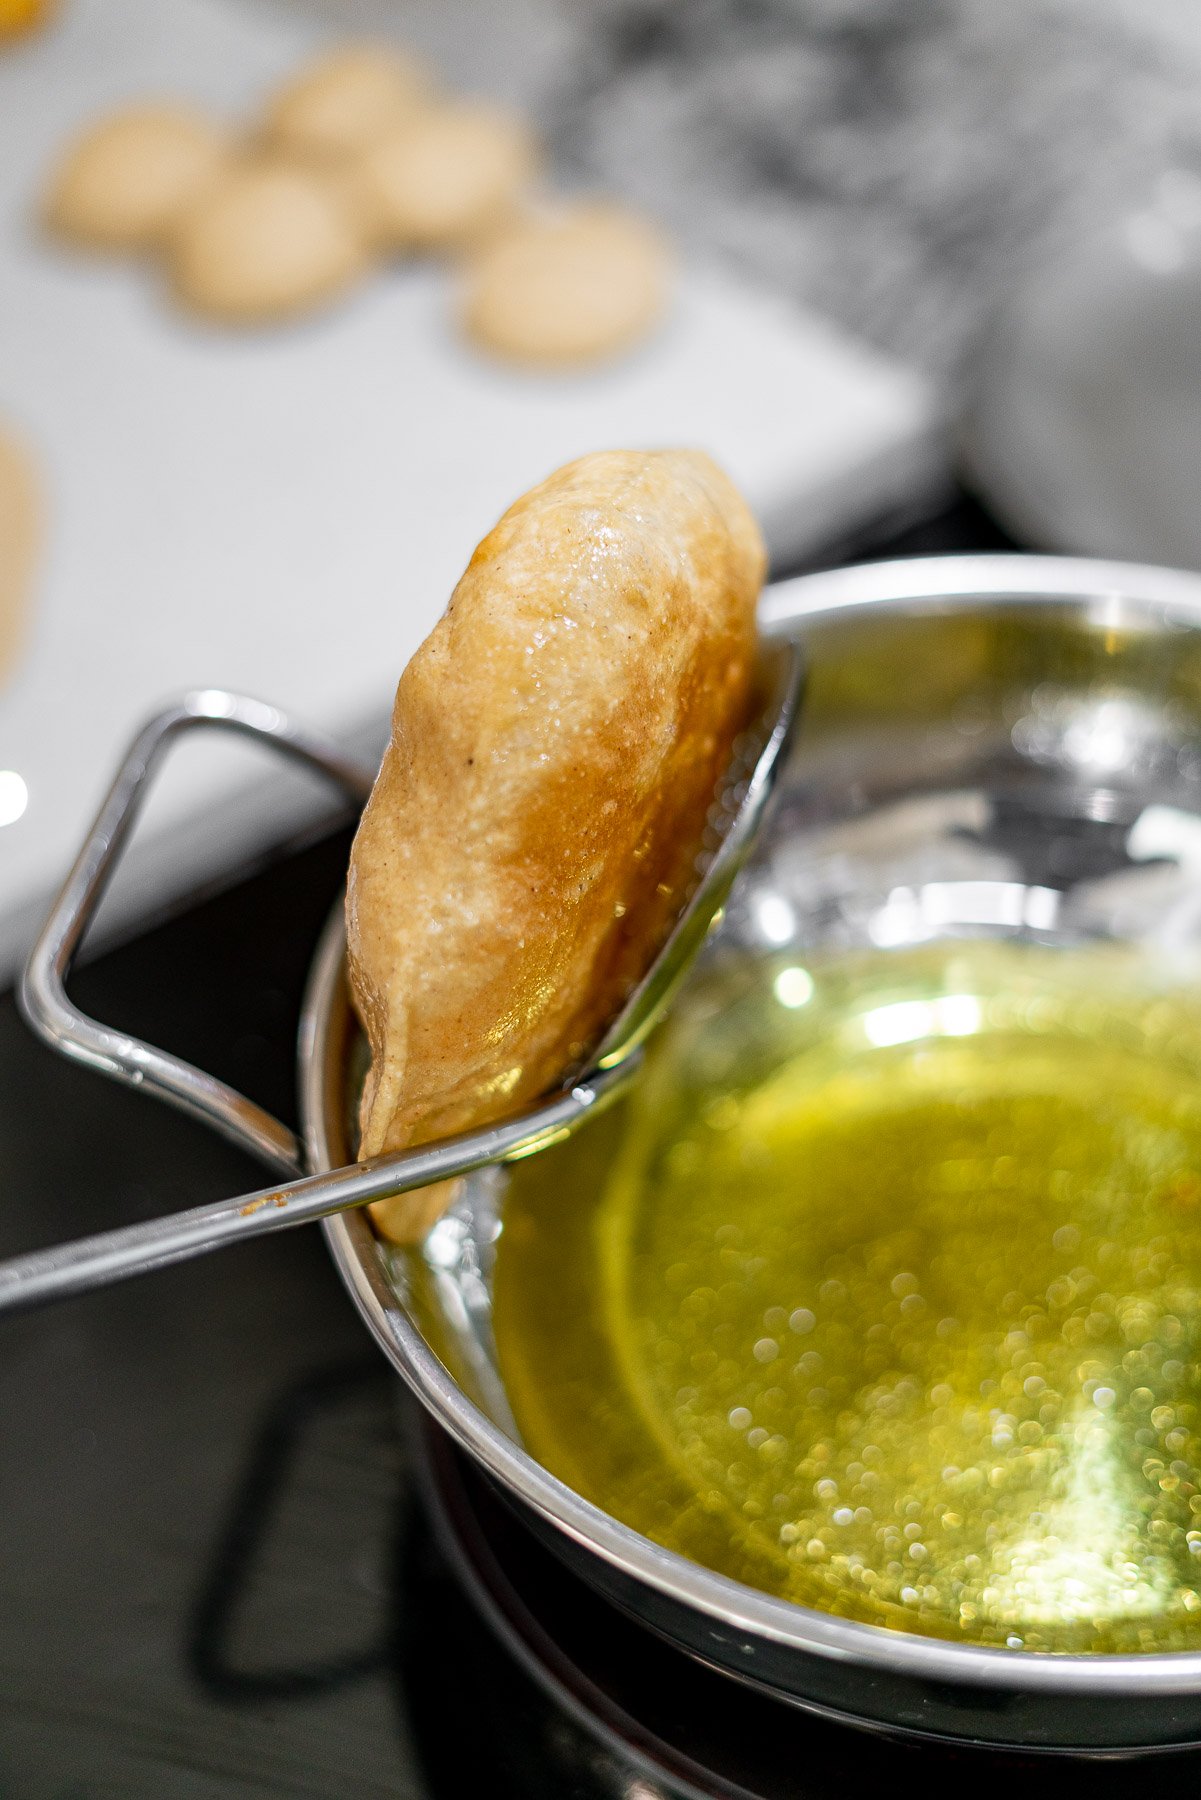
(337, 105)
(20, 533)
(446, 174)
(127, 179)
(570, 288)
(269, 240)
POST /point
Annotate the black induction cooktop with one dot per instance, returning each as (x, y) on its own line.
(218, 1578)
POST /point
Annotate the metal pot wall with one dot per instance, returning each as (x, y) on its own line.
(1046, 703)
(990, 747)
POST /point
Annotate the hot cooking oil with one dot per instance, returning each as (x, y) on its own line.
(883, 1293)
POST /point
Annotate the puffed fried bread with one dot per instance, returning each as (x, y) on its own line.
(533, 833)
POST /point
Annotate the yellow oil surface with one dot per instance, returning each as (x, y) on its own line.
(883, 1294)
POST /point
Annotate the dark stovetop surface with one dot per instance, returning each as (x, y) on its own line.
(213, 1582)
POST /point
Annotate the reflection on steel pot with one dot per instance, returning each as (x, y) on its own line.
(1083, 428)
(992, 748)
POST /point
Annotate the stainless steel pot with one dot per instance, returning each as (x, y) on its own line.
(991, 745)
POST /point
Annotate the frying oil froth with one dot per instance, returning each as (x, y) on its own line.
(884, 1295)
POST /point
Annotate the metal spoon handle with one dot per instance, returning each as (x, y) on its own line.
(92, 1262)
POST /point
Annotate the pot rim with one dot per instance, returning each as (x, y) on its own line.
(1113, 594)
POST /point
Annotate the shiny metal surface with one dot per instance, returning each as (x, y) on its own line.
(1082, 421)
(996, 745)
(43, 995)
(734, 823)
(66, 1269)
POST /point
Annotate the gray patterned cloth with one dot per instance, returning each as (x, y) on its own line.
(892, 162)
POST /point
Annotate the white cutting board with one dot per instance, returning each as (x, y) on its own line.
(285, 513)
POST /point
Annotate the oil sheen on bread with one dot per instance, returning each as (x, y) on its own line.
(556, 745)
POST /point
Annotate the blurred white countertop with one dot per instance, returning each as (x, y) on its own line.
(285, 513)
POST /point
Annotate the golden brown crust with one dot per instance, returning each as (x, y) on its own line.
(556, 744)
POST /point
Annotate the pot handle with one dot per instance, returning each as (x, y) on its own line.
(42, 993)
(65, 1269)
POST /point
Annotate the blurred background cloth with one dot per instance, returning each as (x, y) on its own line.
(894, 163)
(888, 161)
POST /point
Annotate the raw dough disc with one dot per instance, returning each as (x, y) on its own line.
(126, 180)
(567, 289)
(269, 240)
(20, 533)
(340, 103)
(446, 174)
